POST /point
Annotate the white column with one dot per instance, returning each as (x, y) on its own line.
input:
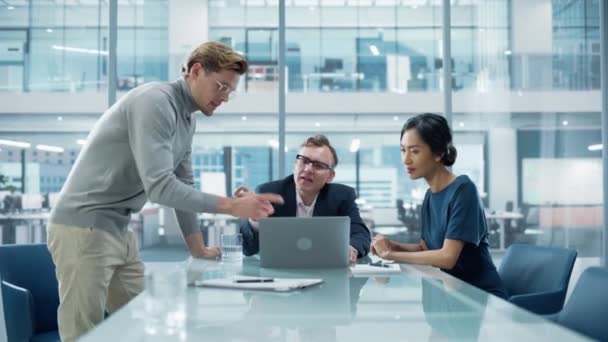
(502, 155)
(532, 41)
(532, 26)
(188, 28)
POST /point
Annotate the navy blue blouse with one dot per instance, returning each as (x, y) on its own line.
(456, 213)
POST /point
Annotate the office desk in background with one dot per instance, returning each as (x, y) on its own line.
(418, 304)
(502, 217)
(309, 78)
(29, 227)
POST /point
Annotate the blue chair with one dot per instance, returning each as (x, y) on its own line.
(587, 307)
(29, 292)
(536, 277)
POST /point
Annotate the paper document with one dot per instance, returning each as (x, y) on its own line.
(259, 283)
(365, 269)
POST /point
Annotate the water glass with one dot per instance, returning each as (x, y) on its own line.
(165, 292)
(232, 248)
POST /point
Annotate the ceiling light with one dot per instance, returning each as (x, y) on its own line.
(273, 143)
(595, 147)
(80, 50)
(15, 143)
(374, 50)
(354, 145)
(49, 148)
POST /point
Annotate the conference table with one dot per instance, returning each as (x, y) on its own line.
(415, 303)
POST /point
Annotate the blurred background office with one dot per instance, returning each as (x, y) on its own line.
(524, 103)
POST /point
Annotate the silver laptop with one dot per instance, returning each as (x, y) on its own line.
(304, 242)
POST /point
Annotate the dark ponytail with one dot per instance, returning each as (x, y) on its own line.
(435, 132)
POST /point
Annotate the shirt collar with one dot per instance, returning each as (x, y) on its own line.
(300, 202)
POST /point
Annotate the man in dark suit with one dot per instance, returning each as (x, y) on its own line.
(309, 192)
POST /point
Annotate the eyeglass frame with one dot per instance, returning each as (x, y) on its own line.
(225, 89)
(305, 161)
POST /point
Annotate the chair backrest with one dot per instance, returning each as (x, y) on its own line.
(31, 267)
(528, 268)
(587, 307)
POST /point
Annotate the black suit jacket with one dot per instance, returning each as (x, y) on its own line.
(333, 200)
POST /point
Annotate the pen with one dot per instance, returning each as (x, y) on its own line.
(379, 264)
(267, 280)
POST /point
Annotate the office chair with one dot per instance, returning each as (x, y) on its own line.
(29, 292)
(587, 307)
(536, 277)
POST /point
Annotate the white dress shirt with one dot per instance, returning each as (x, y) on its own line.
(302, 210)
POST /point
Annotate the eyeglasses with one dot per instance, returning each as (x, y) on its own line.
(316, 165)
(225, 90)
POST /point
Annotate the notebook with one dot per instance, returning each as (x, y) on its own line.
(367, 270)
(277, 284)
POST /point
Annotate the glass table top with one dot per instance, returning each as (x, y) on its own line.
(419, 303)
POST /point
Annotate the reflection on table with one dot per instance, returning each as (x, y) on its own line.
(420, 303)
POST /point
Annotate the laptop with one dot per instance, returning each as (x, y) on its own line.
(304, 242)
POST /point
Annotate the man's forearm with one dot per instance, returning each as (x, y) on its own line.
(188, 222)
(361, 243)
(195, 243)
(251, 242)
(224, 205)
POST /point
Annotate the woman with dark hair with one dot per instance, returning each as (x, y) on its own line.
(454, 234)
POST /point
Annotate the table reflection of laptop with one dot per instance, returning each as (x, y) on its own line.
(304, 242)
(327, 304)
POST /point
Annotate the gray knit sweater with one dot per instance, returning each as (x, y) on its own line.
(140, 149)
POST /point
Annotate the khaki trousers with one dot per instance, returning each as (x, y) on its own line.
(97, 270)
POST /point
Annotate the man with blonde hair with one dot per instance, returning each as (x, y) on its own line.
(140, 149)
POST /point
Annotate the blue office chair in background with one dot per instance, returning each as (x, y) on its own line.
(587, 307)
(536, 277)
(29, 292)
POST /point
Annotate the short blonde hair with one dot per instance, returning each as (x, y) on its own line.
(215, 57)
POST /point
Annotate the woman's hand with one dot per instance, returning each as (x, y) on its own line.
(243, 191)
(381, 246)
